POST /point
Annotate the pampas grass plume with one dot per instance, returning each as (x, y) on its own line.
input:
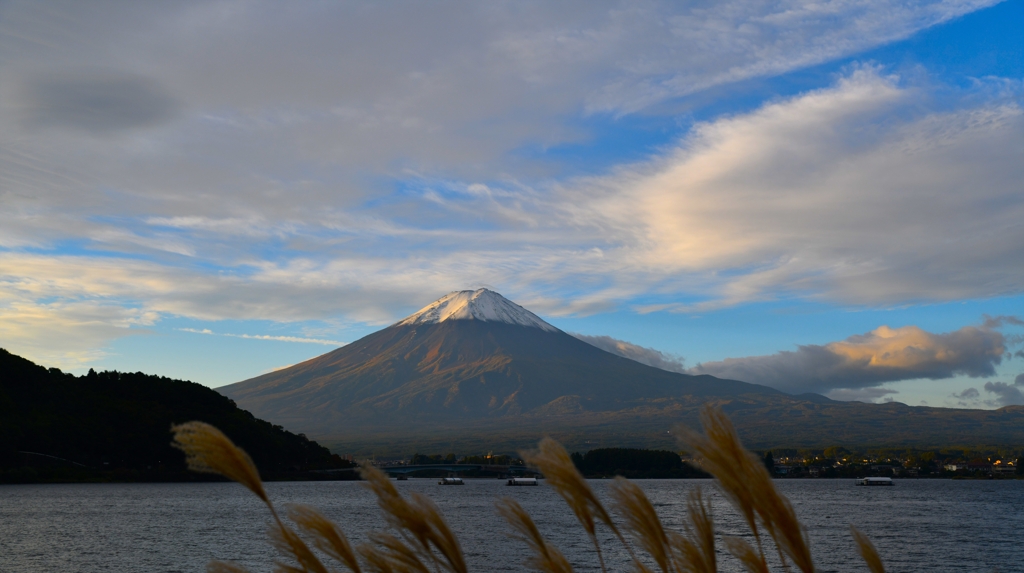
(752, 559)
(546, 558)
(418, 520)
(327, 536)
(561, 474)
(289, 543)
(642, 521)
(208, 450)
(745, 481)
(696, 550)
(390, 553)
(867, 551)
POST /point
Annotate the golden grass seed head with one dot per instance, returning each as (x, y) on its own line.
(752, 559)
(326, 534)
(396, 555)
(747, 484)
(867, 551)
(546, 557)
(642, 521)
(561, 474)
(418, 519)
(695, 551)
(208, 450)
(289, 543)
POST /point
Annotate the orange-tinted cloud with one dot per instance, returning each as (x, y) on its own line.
(868, 360)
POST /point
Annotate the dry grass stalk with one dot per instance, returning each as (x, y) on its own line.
(391, 554)
(642, 522)
(418, 521)
(561, 474)
(208, 450)
(375, 560)
(867, 551)
(695, 551)
(289, 543)
(224, 567)
(752, 559)
(327, 536)
(745, 481)
(546, 557)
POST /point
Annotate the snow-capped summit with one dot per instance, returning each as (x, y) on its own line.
(482, 304)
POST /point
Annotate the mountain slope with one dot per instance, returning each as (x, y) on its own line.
(471, 355)
(461, 370)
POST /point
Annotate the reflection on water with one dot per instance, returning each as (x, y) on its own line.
(919, 525)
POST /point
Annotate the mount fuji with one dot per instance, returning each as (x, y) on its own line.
(474, 371)
(471, 359)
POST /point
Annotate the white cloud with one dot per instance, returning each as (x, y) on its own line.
(861, 394)
(641, 354)
(233, 166)
(843, 194)
(67, 334)
(870, 360)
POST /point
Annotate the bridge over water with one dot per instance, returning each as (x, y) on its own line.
(456, 468)
(394, 470)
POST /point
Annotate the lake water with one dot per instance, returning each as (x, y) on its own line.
(919, 525)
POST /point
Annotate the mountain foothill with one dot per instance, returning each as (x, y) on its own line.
(475, 371)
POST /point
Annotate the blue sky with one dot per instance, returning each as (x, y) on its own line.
(821, 197)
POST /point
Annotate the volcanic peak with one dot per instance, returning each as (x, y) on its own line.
(482, 304)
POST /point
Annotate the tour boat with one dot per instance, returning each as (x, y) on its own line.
(522, 481)
(451, 481)
(875, 481)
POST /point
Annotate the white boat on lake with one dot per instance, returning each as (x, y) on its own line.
(875, 481)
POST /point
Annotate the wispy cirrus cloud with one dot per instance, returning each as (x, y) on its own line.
(299, 339)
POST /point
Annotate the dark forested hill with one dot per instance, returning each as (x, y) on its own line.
(634, 463)
(116, 425)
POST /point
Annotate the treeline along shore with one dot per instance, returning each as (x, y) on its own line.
(633, 463)
(965, 462)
